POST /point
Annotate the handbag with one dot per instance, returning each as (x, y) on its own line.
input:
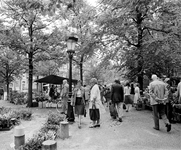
(94, 113)
(124, 106)
(85, 112)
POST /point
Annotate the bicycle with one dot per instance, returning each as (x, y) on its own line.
(59, 105)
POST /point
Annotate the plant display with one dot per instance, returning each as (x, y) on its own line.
(9, 117)
(18, 98)
(47, 132)
(52, 123)
(35, 143)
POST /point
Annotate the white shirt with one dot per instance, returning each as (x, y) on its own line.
(179, 89)
(127, 90)
(79, 93)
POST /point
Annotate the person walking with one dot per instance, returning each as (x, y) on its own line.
(64, 96)
(79, 101)
(107, 95)
(87, 93)
(137, 94)
(52, 93)
(179, 92)
(170, 102)
(127, 95)
(132, 93)
(117, 98)
(95, 101)
(158, 98)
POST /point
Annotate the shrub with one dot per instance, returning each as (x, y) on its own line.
(52, 123)
(35, 143)
(47, 132)
(18, 98)
(6, 114)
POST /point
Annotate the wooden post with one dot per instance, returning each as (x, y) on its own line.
(64, 130)
(49, 145)
(19, 136)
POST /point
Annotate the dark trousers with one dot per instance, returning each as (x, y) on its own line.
(169, 110)
(159, 109)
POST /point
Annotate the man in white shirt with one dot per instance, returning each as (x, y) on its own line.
(179, 92)
(95, 100)
(158, 99)
(64, 95)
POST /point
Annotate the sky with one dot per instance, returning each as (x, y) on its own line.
(92, 2)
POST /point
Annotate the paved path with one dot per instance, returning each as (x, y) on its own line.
(134, 133)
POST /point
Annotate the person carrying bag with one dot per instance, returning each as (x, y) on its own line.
(95, 104)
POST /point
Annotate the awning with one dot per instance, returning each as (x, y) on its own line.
(53, 79)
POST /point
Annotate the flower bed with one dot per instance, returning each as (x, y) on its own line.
(48, 132)
(9, 117)
(18, 98)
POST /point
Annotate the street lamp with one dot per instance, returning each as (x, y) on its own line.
(71, 42)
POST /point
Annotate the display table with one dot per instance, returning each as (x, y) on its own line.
(177, 112)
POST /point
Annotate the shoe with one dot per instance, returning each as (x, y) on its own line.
(92, 126)
(126, 110)
(168, 126)
(97, 125)
(120, 120)
(62, 113)
(79, 126)
(155, 128)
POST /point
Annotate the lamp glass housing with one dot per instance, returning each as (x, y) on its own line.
(71, 44)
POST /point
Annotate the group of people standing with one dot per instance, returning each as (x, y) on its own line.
(120, 96)
(123, 97)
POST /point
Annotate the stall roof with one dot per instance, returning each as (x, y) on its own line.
(53, 79)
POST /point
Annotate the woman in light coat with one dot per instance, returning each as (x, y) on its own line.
(95, 100)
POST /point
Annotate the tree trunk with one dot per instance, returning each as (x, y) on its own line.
(81, 68)
(139, 48)
(7, 88)
(30, 80)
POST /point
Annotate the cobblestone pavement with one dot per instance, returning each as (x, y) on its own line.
(134, 133)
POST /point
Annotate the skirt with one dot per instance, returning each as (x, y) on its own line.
(128, 99)
(79, 106)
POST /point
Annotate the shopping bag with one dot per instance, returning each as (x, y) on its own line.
(85, 112)
(124, 106)
(94, 113)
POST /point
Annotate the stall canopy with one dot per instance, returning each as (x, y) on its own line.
(53, 79)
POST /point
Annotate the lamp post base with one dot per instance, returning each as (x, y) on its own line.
(70, 113)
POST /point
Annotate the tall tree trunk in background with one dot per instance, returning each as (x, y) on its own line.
(7, 88)
(81, 68)
(139, 21)
(30, 79)
(30, 56)
(7, 81)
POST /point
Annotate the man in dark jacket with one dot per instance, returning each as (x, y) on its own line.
(117, 97)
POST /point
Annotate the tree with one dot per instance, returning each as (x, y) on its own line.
(11, 66)
(80, 17)
(29, 36)
(138, 23)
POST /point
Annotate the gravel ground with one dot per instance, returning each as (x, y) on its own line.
(134, 133)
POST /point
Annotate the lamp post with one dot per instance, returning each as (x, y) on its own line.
(71, 41)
